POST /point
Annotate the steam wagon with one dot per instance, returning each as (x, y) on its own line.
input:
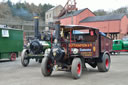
(11, 43)
(36, 47)
(70, 51)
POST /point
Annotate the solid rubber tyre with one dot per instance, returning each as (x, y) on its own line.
(104, 66)
(24, 60)
(46, 67)
(76, 68)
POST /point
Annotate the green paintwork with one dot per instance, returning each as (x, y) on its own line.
(49, 45)
(120, 45)
(13, 43)
(125, 45)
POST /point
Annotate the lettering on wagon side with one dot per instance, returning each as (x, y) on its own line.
(80, 45)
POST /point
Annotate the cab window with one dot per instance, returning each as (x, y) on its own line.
(117, 42)
(84, 35)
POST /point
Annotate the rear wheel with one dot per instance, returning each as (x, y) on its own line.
(24, 59)
(76, 68)
(105, 64)
(46, 66)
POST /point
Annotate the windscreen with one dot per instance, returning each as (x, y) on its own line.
(84, 35)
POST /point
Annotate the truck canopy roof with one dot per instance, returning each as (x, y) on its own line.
(76, 27)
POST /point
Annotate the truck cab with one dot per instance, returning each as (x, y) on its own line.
(117, 44)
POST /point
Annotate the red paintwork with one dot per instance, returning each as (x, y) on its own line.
(78, 68)
(107, 63)
(120, 50)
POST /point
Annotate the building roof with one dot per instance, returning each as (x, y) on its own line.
(103, 18)
(74, 13)
(54, 8)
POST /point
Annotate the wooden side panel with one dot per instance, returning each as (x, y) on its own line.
(106, 44)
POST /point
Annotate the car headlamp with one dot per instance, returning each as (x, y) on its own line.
(75, 51)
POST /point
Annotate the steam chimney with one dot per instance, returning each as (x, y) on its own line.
(57, 28)
(36, 22)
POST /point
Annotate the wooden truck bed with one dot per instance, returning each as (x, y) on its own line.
(106, 44)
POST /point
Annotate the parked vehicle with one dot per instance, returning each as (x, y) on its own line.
(11, 43)
(36, 47)
(70, 51)
(120, 46)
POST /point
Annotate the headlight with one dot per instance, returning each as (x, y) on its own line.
(28, 45)
(54, 51)
(47, 51)
(75, 51)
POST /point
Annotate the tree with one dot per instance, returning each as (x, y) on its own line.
(100, 12)
(120, 11)
(24, 10)
(45, 8)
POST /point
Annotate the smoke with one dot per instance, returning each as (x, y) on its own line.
(21, 12)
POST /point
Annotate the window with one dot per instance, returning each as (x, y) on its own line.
(50, 16)
(47, 16)
(84, 35)
(117, 42)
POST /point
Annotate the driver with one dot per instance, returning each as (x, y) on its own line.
(46, 34)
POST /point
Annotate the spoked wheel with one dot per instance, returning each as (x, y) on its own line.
(13, 57)
(46, 66)
(105, 64)
(76, 68)
(24, 60)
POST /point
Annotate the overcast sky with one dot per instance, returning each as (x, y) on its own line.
(91, 4)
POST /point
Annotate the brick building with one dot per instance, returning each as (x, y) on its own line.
(115, 26)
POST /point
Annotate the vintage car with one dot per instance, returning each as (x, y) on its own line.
(71, 50)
